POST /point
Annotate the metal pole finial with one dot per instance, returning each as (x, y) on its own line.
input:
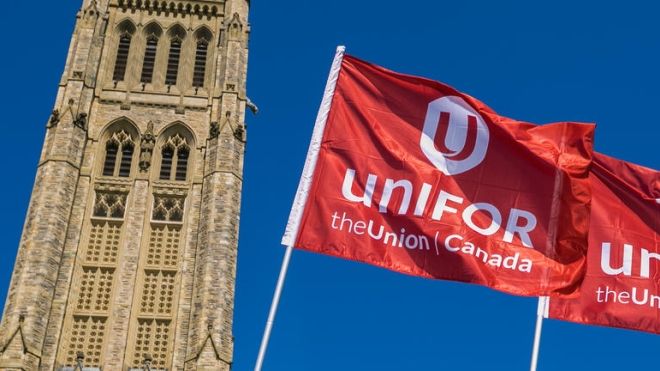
(80, 358)
(147, 362)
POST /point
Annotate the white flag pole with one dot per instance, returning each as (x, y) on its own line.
(540, 314)
(553, 225)
(273, 308)
(300, 200)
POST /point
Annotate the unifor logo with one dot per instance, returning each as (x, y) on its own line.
(455, 137)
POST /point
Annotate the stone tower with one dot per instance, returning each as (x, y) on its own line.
(128, 252)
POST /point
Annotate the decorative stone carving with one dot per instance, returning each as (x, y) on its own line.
(90, 14)
(171, 7)
(237, 129)
(239, 133)
(215, 130)
(235, 28)
(81, 120)
(147, 147)
(54, 119)
(110, 205)
(114, 185)
(229, 123)
(168, 209)
(251, 106)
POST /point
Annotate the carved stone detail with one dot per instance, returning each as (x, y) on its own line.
(54, 119)
(239, 133)
(168, 209)
(235, 28)
(81, 121)
(110, 205)
(147, 147)
(214, 130)
(173, 7)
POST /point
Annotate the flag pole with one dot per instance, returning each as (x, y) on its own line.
(540, 314)
(293, 226)
(273, 308)
(553, 225)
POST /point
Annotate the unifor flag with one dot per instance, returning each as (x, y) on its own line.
(411, 175)
(622, 284)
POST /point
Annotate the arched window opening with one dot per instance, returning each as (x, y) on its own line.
(199, 73)
(175, 159)
(152, 34)
(122, 57)
(173, 61)
(118, 155)
(166, 163)
(149, 59)
(110, 158)
(182, 164)
(126, 159)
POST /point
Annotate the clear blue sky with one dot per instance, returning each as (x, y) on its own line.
(541, 62)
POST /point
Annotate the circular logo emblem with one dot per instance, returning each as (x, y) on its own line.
(455, 136)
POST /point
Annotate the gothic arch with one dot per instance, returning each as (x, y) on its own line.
(178, 126)
(203, 32)
(176, 35)
(118, 149)
(175, 148)
(202, 42)
(177, 30)
(126, 26)
(153, 28)
(152, 35)
(234, 27)
(125, 31)
(120, 122)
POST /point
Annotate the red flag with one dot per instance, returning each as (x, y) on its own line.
(412, 175)
(622, 284)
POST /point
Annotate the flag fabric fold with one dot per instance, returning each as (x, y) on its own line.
(622, 285)
(412, 175)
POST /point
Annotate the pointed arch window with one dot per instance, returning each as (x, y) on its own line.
(182, 164)
(122, 56)
(111, 149)
(166, 163)
(174, 159)
(126, 160)
(173, 61)
(118, 155)
(199, 73)
(149, 59)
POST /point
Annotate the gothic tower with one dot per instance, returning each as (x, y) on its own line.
(128, 252)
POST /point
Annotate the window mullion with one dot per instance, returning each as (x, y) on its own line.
(175, 163)
(120, 157)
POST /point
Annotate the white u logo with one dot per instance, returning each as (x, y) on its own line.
(463, 135)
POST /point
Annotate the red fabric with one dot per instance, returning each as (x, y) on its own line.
(625, 211)
(375, 127)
